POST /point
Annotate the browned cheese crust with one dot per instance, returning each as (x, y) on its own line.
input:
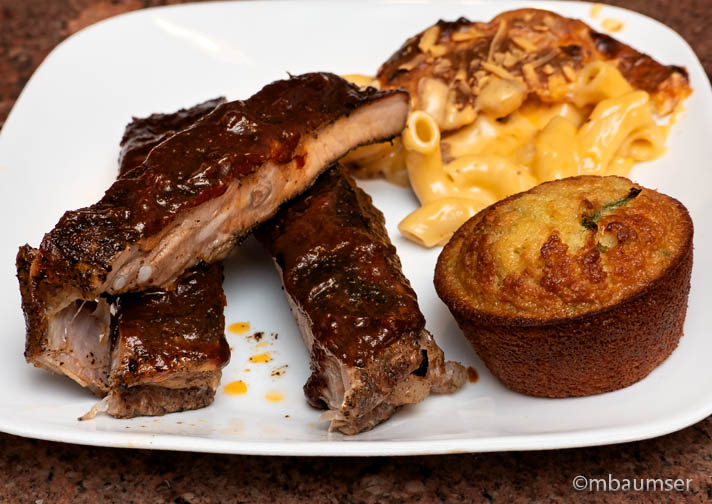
(539, 49)
(575, 287)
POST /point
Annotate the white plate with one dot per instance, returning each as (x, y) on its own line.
(58, 151)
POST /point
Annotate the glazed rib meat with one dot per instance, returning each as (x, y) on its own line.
(74, 341)
(358, 315)
(167, 348)
(143, 134)
(196, 193)
(201, 189)
(539, 51)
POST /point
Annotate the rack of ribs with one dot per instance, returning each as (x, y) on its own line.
(357, 313)
(194, 195)
(167, 348)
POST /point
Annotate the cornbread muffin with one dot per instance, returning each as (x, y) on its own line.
(575, 287)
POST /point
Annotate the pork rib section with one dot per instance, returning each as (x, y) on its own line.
(73, 341)
(142, 134)
(201, 189)
(358, 315)
(165, 377)
(190, 200)
(168, 347)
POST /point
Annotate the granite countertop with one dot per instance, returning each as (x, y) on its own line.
(40, 471)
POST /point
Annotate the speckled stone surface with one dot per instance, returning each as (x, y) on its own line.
(44, 472)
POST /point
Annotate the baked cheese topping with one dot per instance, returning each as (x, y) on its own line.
(501, 106)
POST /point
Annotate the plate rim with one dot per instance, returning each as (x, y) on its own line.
(353, 446)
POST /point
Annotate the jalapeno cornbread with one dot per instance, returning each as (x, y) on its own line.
(575, 287)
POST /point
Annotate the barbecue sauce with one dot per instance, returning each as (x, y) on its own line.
(274, 396)
(340, 267)
(236, 388)
(167, 331)
(198, 164)
(261, 358)
(239, 327)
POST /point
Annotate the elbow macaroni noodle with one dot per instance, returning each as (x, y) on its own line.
(601, 126)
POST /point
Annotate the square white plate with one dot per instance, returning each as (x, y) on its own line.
(58, 151)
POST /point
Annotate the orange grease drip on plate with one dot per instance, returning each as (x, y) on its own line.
(239, 327)
(472, 375)
(612, 25)
(595, 10)
(236, 388)
(261, 358)
(274, 396)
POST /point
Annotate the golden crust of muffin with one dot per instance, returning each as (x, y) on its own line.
(595, 298)
(565, 248)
